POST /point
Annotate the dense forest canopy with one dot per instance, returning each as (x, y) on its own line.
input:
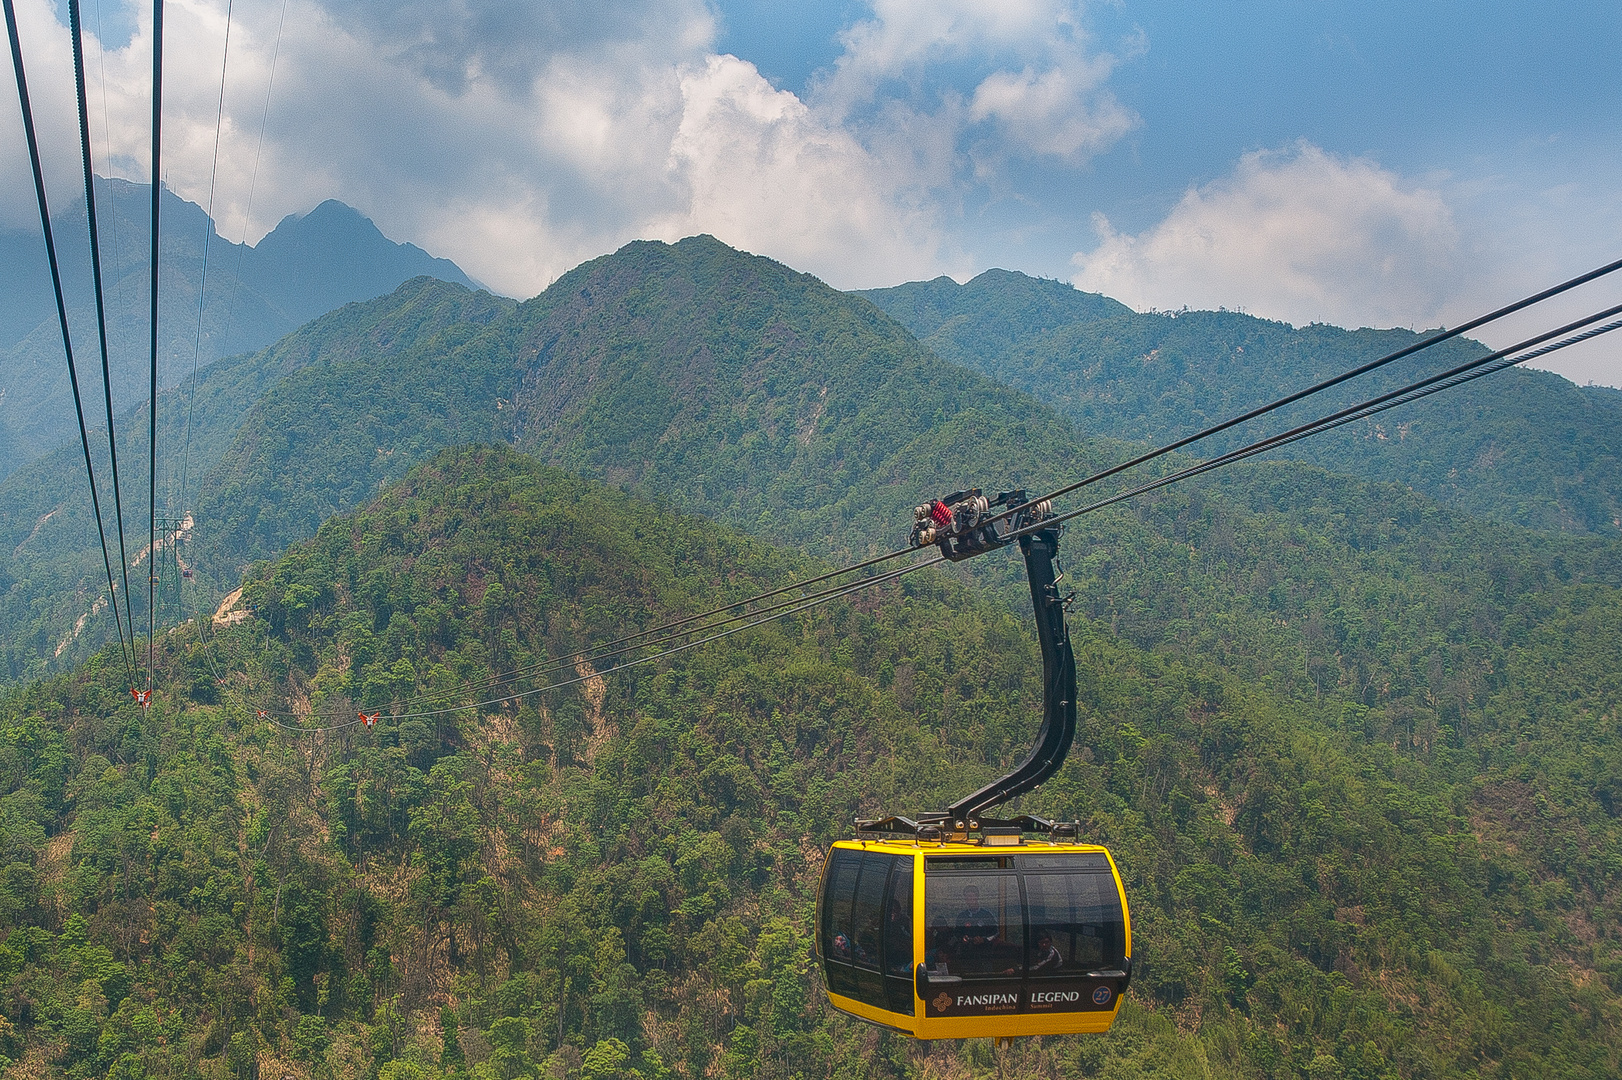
(619, 876)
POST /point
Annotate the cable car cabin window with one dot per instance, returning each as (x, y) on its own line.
(898, 971)
(844, 867)
(1088, 860)
(854, 921)
(976, 925)
(868, 914)
(951, 864)
(1076, 924)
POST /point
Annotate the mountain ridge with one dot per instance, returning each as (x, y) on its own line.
(307, 265)
(1524, 446)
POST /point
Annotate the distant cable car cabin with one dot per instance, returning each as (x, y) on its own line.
(957, 925)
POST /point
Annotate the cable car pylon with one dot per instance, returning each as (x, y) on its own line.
(955, 924)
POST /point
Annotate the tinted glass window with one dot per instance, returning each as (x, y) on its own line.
(976, 925)
(867, 917)
(951, 864)
(1076, 923)
(843, 867)
(1092, 860)
(898, 922)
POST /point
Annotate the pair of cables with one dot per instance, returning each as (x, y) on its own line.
(708, 628)
(1318, 388)
(123, 620)
(743, 622)
(1570, 334)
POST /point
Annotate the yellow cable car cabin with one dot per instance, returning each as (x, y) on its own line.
(956, 941)
(955, 925)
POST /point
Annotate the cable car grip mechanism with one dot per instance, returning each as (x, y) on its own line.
(962, 525)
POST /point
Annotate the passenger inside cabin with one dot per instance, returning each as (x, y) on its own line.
(977, 925)
(1045, 959)
(982, 949)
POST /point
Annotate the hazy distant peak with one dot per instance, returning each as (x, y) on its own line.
(331, 223)
(1023, 302)
(308, 265)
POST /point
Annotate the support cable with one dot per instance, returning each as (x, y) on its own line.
(1412, 392)
(1452, 377)
(807, 605)
(77, 30)
(1424, 387)
(607, 652)
(253, 177)
(1462, 373)
(152, 409)
(1452, 380)
(62, 312)
(1151, 455)
(818, 579)
(202, 288)
(1290, 399)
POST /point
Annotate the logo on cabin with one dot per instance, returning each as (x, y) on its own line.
(942, 1002)
(1054, 997)
(1101, 996)
(989, 1000)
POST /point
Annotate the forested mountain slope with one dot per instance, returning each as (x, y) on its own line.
(308, 265)
(730, 386)
(714, 380)
(619, 875)
(50, 559)
(1523, 446)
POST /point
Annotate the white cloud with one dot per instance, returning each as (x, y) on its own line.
(765, 172)
(521, 139)
(1299, 235)
(1041, 91)
(1053, 113)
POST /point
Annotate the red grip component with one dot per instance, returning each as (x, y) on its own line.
(940, 512)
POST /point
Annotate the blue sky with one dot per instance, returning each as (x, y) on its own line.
(1358, 163)
(1491, 102)
(1467, 88)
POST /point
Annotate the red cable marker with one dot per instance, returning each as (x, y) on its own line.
(143, 698)
(263, 715)
(369, 718)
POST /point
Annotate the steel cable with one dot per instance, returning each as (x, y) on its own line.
(253, 178)
(152, 406)
(1408, 350)
(62, 314)
(592, 656)
(1411, 392)
(76, 28)
(821, 599)
(202, 287)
